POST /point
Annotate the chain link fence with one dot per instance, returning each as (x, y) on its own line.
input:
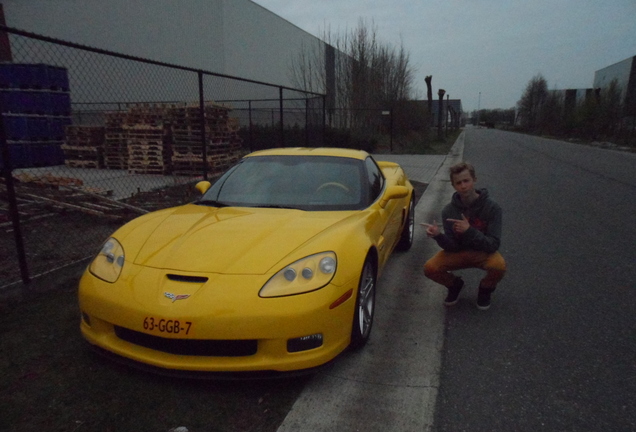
(91, 139)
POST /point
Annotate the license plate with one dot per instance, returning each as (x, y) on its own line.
(170, 326)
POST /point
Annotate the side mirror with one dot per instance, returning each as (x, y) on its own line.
(203, 186)
(393, 192)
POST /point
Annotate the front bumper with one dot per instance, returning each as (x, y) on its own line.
(114, 317)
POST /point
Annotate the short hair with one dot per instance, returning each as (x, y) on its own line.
(462, 166)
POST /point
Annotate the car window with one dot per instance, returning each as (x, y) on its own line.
(375, 179)
(304, 182)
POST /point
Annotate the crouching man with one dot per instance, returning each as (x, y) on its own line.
(471, 237)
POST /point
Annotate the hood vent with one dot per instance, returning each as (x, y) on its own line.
(183, 278)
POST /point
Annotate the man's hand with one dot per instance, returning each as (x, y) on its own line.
(432, 230)
(460, 226)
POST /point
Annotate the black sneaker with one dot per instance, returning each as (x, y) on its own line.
(453, 292)
(483, 298)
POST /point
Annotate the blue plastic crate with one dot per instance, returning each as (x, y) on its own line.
(8, 75)
(25, 102)
(14, 75)
(39, 128)
(16, 128)
(46, 154)
(17, 102)
(38, 77)
(57, 127)
(34, 128)
(60, 103)
(57, 78)
(24, 76)
(20, 156)
(43, 103)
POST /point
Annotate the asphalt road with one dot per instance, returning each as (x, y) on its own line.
(557, 349)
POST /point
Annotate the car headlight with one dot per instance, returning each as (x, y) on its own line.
(109, 261)
(308, 274)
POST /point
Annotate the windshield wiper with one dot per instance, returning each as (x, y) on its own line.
(278, 207)
(211, 203)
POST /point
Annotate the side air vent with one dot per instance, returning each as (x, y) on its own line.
(184, 278)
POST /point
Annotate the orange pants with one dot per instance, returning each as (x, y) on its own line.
(440, 266)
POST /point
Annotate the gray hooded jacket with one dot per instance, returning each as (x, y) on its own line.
(484, 216)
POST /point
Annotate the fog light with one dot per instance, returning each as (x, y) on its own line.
(304, 343)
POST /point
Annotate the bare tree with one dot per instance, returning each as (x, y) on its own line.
(611, 108)
(429, 94)
(308, 68)
(550, 118)
(369, 76)
(531, 102)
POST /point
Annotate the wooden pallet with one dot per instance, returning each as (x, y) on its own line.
(72, 163)
(146, 170)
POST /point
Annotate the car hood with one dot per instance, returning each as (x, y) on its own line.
(227, 240)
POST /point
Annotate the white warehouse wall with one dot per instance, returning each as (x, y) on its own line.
(232, 37)
(618, 71)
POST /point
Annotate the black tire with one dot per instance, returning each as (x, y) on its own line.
(365, 306)
(406, 238)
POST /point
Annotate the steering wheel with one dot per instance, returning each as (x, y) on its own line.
(334, 185)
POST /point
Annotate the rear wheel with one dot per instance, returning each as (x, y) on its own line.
(406, 239)
(365, 306)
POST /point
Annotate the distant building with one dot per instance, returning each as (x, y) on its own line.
(573, 97)
(232, 37)
(448, 105)
(624, 72)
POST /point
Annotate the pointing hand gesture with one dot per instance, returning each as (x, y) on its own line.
(432, 230)
(460, 226)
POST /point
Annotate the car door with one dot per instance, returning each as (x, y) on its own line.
(386, 220)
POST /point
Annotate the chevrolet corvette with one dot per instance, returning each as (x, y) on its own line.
(272, 270)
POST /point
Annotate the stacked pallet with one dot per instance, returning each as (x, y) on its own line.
(142, 128)
(115, 142)
(84, 146)
(160, 139)
(149, 114)
(222, 143)
(147, 153)
(147, 134)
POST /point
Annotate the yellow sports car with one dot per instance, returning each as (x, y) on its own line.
(273, 269)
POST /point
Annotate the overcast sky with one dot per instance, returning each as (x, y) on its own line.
(492, 47)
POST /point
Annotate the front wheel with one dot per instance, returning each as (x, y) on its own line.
(365, 306)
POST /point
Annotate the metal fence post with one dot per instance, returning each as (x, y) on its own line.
(13, 203)
(204, 151)
(251, 130)
(282, 124)
(391, 129)
(324, 119)
(307, 122)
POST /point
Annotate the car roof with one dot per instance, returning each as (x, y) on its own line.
(307, 151)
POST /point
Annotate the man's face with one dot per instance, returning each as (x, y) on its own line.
(464, 183)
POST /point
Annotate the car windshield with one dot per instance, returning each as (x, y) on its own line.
(315, 183)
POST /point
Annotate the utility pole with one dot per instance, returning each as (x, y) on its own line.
(478, 108)
(447, 111)
(440, 110)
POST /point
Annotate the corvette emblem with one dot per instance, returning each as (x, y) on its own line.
(175, 297)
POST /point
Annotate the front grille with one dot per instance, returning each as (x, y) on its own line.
(192, 347)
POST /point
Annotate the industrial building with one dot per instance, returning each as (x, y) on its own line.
(624, 72)
(232, 37)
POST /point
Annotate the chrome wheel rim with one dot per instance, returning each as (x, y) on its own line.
(366, 300)
(411, 221)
